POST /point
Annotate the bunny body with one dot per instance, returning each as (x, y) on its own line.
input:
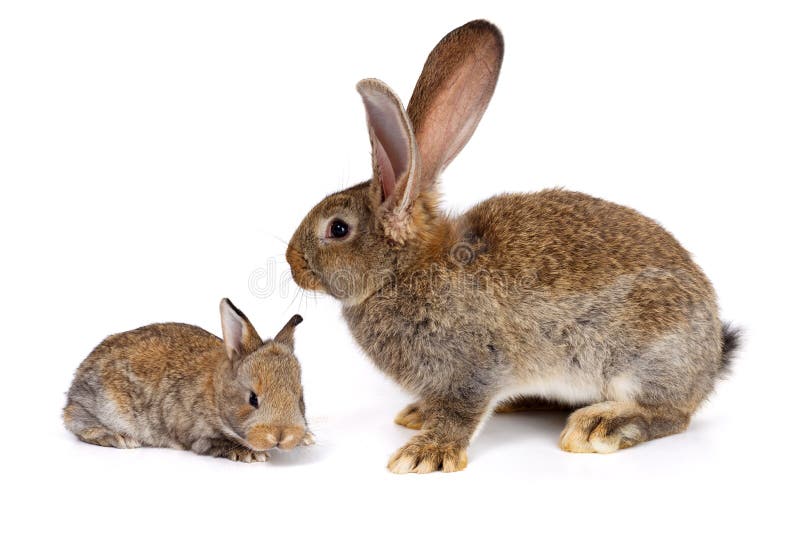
(556, 296)
(176, 385)
(549, 298)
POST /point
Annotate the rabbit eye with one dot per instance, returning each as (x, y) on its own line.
(338, 229)
(253, 400)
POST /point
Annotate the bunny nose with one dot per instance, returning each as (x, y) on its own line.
(290, 437)
(263, 437)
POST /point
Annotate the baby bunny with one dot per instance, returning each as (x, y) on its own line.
(552, 296)
(176, 385)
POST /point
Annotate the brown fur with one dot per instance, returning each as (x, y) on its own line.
(554, 295)
(176, 385)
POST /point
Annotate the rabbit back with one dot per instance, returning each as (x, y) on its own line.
(152, 384)
(570, 241)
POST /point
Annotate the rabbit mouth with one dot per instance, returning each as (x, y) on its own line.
(302, 274)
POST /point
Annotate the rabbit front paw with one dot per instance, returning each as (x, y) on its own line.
(424, 456)
(412, 416)
(228, 449)
(308, 439)
(242, 454)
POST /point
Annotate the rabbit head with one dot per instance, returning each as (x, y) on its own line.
(353, 242)
(259, 394)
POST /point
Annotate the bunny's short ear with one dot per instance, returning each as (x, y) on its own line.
(452, 93)
(238, 333)
(395, 160)
(286, 334)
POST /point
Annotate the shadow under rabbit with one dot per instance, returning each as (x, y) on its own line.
(300, 456)
(539, 427)
(541, 430)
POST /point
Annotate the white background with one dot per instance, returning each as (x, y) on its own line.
(155, 155)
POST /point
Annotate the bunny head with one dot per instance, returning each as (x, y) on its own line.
(353, 242)
(260, 397)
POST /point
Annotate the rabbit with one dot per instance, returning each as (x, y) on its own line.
(176, 385)
(553, 296)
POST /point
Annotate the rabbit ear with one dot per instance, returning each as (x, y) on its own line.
(238, 333)
(395, 160)
(452, 93)
(286, 334)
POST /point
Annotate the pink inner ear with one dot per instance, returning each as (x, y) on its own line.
(391, 139)
(232, 331)
(453, 116)
(386, 170)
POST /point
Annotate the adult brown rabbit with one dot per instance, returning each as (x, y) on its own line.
(176, 385)
(554, 295)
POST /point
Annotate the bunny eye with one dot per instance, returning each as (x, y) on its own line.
(253, 400)
(337, 229)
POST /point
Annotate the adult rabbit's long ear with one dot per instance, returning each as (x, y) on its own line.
(395, 160)
(410, 149)
(452, 93)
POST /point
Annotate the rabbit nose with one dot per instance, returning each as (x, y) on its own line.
(290, 437)
(262, 437)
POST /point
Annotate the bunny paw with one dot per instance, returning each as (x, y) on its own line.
(241, 454)
(411, 416)
(601, 428)
(426, 457)
(106, 438)
(308, 439)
